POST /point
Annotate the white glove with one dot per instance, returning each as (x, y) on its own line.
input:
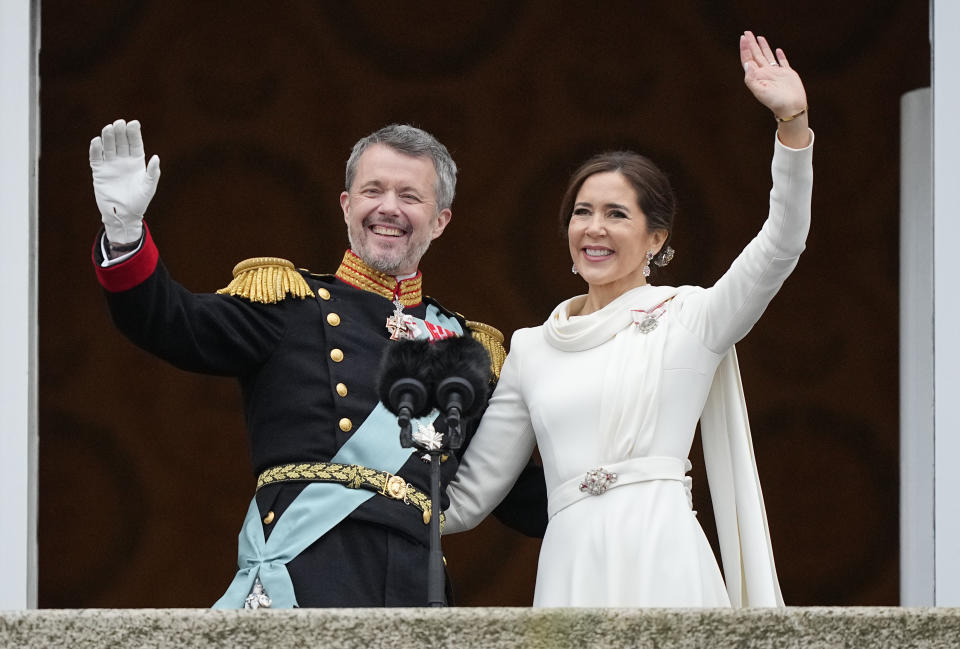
(122, 185)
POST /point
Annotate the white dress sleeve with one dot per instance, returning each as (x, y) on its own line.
(723, 314)
(498, 452)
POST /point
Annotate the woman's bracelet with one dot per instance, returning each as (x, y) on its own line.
(781, 120)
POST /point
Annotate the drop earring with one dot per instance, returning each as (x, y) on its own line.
(573, 269)
(646, 266)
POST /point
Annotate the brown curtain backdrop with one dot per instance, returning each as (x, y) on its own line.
(253, 108)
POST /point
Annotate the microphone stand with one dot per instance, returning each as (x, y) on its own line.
(408, 396)
(453, 395)
(435, 572)
(435, 569)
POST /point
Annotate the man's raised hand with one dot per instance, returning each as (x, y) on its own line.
(122, 184)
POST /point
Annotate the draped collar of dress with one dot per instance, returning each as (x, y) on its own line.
(578, 333)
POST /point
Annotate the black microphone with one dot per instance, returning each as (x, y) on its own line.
(405, 383)
(461, 372)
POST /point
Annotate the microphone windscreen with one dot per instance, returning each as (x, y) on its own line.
(405, 359)
(466, 358)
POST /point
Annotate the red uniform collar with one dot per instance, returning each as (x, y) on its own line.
(356, 272)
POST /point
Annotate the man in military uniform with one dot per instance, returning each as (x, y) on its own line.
(340, 516)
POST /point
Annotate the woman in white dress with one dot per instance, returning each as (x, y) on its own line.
(612, 385)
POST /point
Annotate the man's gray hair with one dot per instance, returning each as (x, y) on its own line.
(415, 142)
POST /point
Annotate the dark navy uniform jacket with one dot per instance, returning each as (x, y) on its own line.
(307, 370)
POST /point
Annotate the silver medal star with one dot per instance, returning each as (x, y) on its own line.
(427, 437)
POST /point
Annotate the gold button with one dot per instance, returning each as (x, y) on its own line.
(426, 516)
(323, 293)
(341, 389)
(346, 425)
(333, 319)
(268, 518)
(336, 355)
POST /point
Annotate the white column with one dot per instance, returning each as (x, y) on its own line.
(946, 286)
(916, 350)
(19, 44)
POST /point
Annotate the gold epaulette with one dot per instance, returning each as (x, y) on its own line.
(492, 340)
(267, 280)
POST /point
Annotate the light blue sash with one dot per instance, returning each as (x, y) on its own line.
(320, 506)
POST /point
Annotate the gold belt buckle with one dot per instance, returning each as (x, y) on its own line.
(395, 487)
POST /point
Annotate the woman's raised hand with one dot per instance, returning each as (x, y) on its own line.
(776, 85)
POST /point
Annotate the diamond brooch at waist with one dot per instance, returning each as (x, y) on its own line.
(597, 481)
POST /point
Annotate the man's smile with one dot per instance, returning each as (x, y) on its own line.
(387, 230)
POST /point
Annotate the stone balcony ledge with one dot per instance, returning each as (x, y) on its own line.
(482, 628)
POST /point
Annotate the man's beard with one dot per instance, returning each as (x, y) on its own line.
(389, 262)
